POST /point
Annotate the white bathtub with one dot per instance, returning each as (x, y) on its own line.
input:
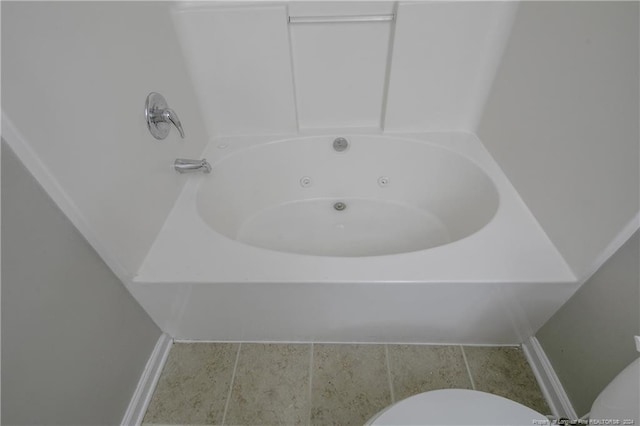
(432, 245)
(395, 196)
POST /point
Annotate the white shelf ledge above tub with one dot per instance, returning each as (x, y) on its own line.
(340, 19)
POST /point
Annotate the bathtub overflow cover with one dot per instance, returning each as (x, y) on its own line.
(339, 206)
(340, 144)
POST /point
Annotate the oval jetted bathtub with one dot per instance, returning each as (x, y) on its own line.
(377, 197)
(398, 238)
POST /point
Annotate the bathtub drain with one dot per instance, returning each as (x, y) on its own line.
(339, 206)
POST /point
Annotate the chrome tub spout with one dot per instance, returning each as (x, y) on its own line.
(190, 166)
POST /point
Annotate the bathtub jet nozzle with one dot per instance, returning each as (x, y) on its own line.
(339, 206)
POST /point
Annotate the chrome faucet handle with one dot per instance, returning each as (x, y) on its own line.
(170, 115)
(160, 117)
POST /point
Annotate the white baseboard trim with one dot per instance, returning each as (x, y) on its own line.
(147, 383)
(549, 383)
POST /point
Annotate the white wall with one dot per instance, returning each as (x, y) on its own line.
(75, 78)
(340, 69)
(430, 70)
(75, 342)
(238, 57)
(445, 55)
(562, 121)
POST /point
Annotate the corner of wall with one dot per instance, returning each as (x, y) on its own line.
(148, 380)
(548, 380)
(591, 338)
(23, 150)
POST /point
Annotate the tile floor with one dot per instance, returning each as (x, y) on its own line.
(324, 384)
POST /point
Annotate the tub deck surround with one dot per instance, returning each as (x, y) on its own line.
(497, 285)
(510, 248)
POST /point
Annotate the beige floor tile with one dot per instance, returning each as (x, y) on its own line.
(419, 368)
(194, 384)
(271, 385)
(504, 371)
(349, 384)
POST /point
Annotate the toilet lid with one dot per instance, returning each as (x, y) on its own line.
(458, 407)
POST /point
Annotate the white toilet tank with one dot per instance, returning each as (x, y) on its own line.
(620, 400)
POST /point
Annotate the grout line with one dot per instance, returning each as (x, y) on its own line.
(233, 377)
(464, 356)
(310, 383)
(386, 355)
